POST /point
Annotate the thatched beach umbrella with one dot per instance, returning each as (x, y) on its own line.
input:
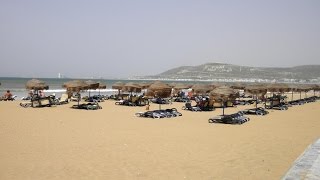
(159, 89)
(144, 85)
(277, 87)
(131, 87)
(118, 85)
(102, 86)
(180, 86)
(238, 85)
(293, 88)
(256, 90)
(315, 87)
(201, 88)
(303, 88)
(36, 85)
(75, 86)
(223, 93)
(92, 85)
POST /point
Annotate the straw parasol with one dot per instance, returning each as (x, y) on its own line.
(102, 86)
(257, 89)
(144, 85)
(201, 88)
(75, 86)
(118, 85)
(131, 87)
(238, 85)
(223, 93)
(278, 87)
(159, 89)
(92, 85)
(293, 88)
(314, 87)
(180, 86)
(35, 84)
(304, 88)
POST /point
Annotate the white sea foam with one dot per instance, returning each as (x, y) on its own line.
(64, 90)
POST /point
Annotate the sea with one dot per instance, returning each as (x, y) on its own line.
(17, 86)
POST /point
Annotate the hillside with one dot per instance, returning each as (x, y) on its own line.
(214, 71)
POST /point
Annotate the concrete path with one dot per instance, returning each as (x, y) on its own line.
(307, 166)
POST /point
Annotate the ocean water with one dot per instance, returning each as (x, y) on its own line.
(17, 86)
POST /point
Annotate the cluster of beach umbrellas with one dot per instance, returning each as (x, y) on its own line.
(71, 86)
(160, 89)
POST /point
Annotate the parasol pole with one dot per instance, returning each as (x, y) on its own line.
(223, 104)
(300, 94)
(256, 100)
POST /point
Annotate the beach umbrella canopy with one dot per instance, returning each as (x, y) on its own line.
(238, 85)
(223, 93)
(201, 88)
(118, 85)
(92, 84)
(173, 84)
(303, 88)
(277, 87)
(35, 84)
(293, 87)
(131, 87)
(256, 89)
(180, 86)
(102, 86)
(75, 85)
(144, 85)
(159, 89)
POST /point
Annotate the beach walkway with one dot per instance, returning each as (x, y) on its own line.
(307, 166)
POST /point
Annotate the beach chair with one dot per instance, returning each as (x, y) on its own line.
(256, 111)
(188, 106)
(64, 99)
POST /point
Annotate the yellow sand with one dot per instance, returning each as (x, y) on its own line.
(64, 143)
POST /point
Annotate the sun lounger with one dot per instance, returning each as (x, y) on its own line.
(188, 106)
(236, 118)
(87, 106)
(256, 111)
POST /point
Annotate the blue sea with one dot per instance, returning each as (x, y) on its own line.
(17, 86)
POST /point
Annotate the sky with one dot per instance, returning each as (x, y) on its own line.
(125, 38)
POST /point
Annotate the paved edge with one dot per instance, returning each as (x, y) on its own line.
(307, 166)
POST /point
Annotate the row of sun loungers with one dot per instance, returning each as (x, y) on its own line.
(157, 114)
(87, 106)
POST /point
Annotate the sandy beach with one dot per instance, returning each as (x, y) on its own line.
(111, 143)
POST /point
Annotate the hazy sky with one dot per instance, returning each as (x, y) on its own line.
(125, 38)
